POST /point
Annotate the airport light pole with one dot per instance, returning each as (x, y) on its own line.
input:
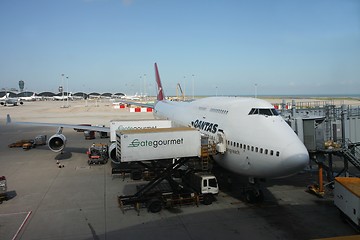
(144, 84)
(140, 84)
(184, 88)
(62, 87)
(193, 86)
(67, 99)
(255, 90)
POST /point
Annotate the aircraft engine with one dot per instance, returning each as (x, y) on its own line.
(57, 142)
(112, 153)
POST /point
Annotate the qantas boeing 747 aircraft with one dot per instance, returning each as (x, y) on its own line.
(251, 138)
(254, 139)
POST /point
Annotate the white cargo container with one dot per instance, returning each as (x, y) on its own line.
(347, 197)
(136, 124)
(160, 143)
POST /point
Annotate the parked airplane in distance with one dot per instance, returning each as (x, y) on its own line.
(64, 97)
(6, 100)
(251, 138)
(29, 98)
(132, 97)
(4, 97)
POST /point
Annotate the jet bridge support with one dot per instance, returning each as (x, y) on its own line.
(351, 153)
(348, 152)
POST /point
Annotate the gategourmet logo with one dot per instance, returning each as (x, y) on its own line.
(131, 128)
(148, 143)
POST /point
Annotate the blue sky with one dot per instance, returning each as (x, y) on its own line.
(284, 47)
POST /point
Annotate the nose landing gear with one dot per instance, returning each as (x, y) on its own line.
(254, 196)
(253, 193)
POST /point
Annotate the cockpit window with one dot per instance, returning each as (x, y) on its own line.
(264, 111)
(274, 111)
(254, 111)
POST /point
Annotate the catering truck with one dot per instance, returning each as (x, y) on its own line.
(116, 125)
(180, 145)
(347, 199)
(157, 144)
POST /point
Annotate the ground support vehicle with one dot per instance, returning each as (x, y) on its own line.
(120, 125)
(3, 189)
(151, 162)
(347, 199)
(30, 143)
(156, 144)
(98, 153)
(89, 135)
(20, 143)
(164, 191)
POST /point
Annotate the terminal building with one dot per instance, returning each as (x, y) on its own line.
(49, 95)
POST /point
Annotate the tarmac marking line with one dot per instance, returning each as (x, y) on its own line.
(22, 225)
(10, 214)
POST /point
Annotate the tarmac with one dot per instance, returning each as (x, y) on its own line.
(79, 201)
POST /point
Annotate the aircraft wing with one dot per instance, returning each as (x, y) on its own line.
(149, 105)
(75, 126)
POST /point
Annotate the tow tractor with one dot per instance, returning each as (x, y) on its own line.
(98, 153)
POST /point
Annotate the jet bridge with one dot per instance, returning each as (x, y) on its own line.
(327, 130)
(351, 153)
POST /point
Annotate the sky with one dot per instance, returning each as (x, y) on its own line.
(210, 47)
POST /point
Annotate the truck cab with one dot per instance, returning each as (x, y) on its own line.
(209, 184)
(202, 182)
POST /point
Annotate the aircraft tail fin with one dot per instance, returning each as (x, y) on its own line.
(160, 91)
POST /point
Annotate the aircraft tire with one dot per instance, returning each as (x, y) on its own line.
(254, 196)
(136, 175)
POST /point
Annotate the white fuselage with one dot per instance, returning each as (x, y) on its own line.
(61, 98)
(259, 144)
(30, 98)
(6, 100)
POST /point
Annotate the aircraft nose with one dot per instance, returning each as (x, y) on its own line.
(294, 158)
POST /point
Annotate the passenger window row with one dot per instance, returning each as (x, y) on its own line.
(217, 110)
(253, 149)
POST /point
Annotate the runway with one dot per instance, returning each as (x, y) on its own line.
(80, 201)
